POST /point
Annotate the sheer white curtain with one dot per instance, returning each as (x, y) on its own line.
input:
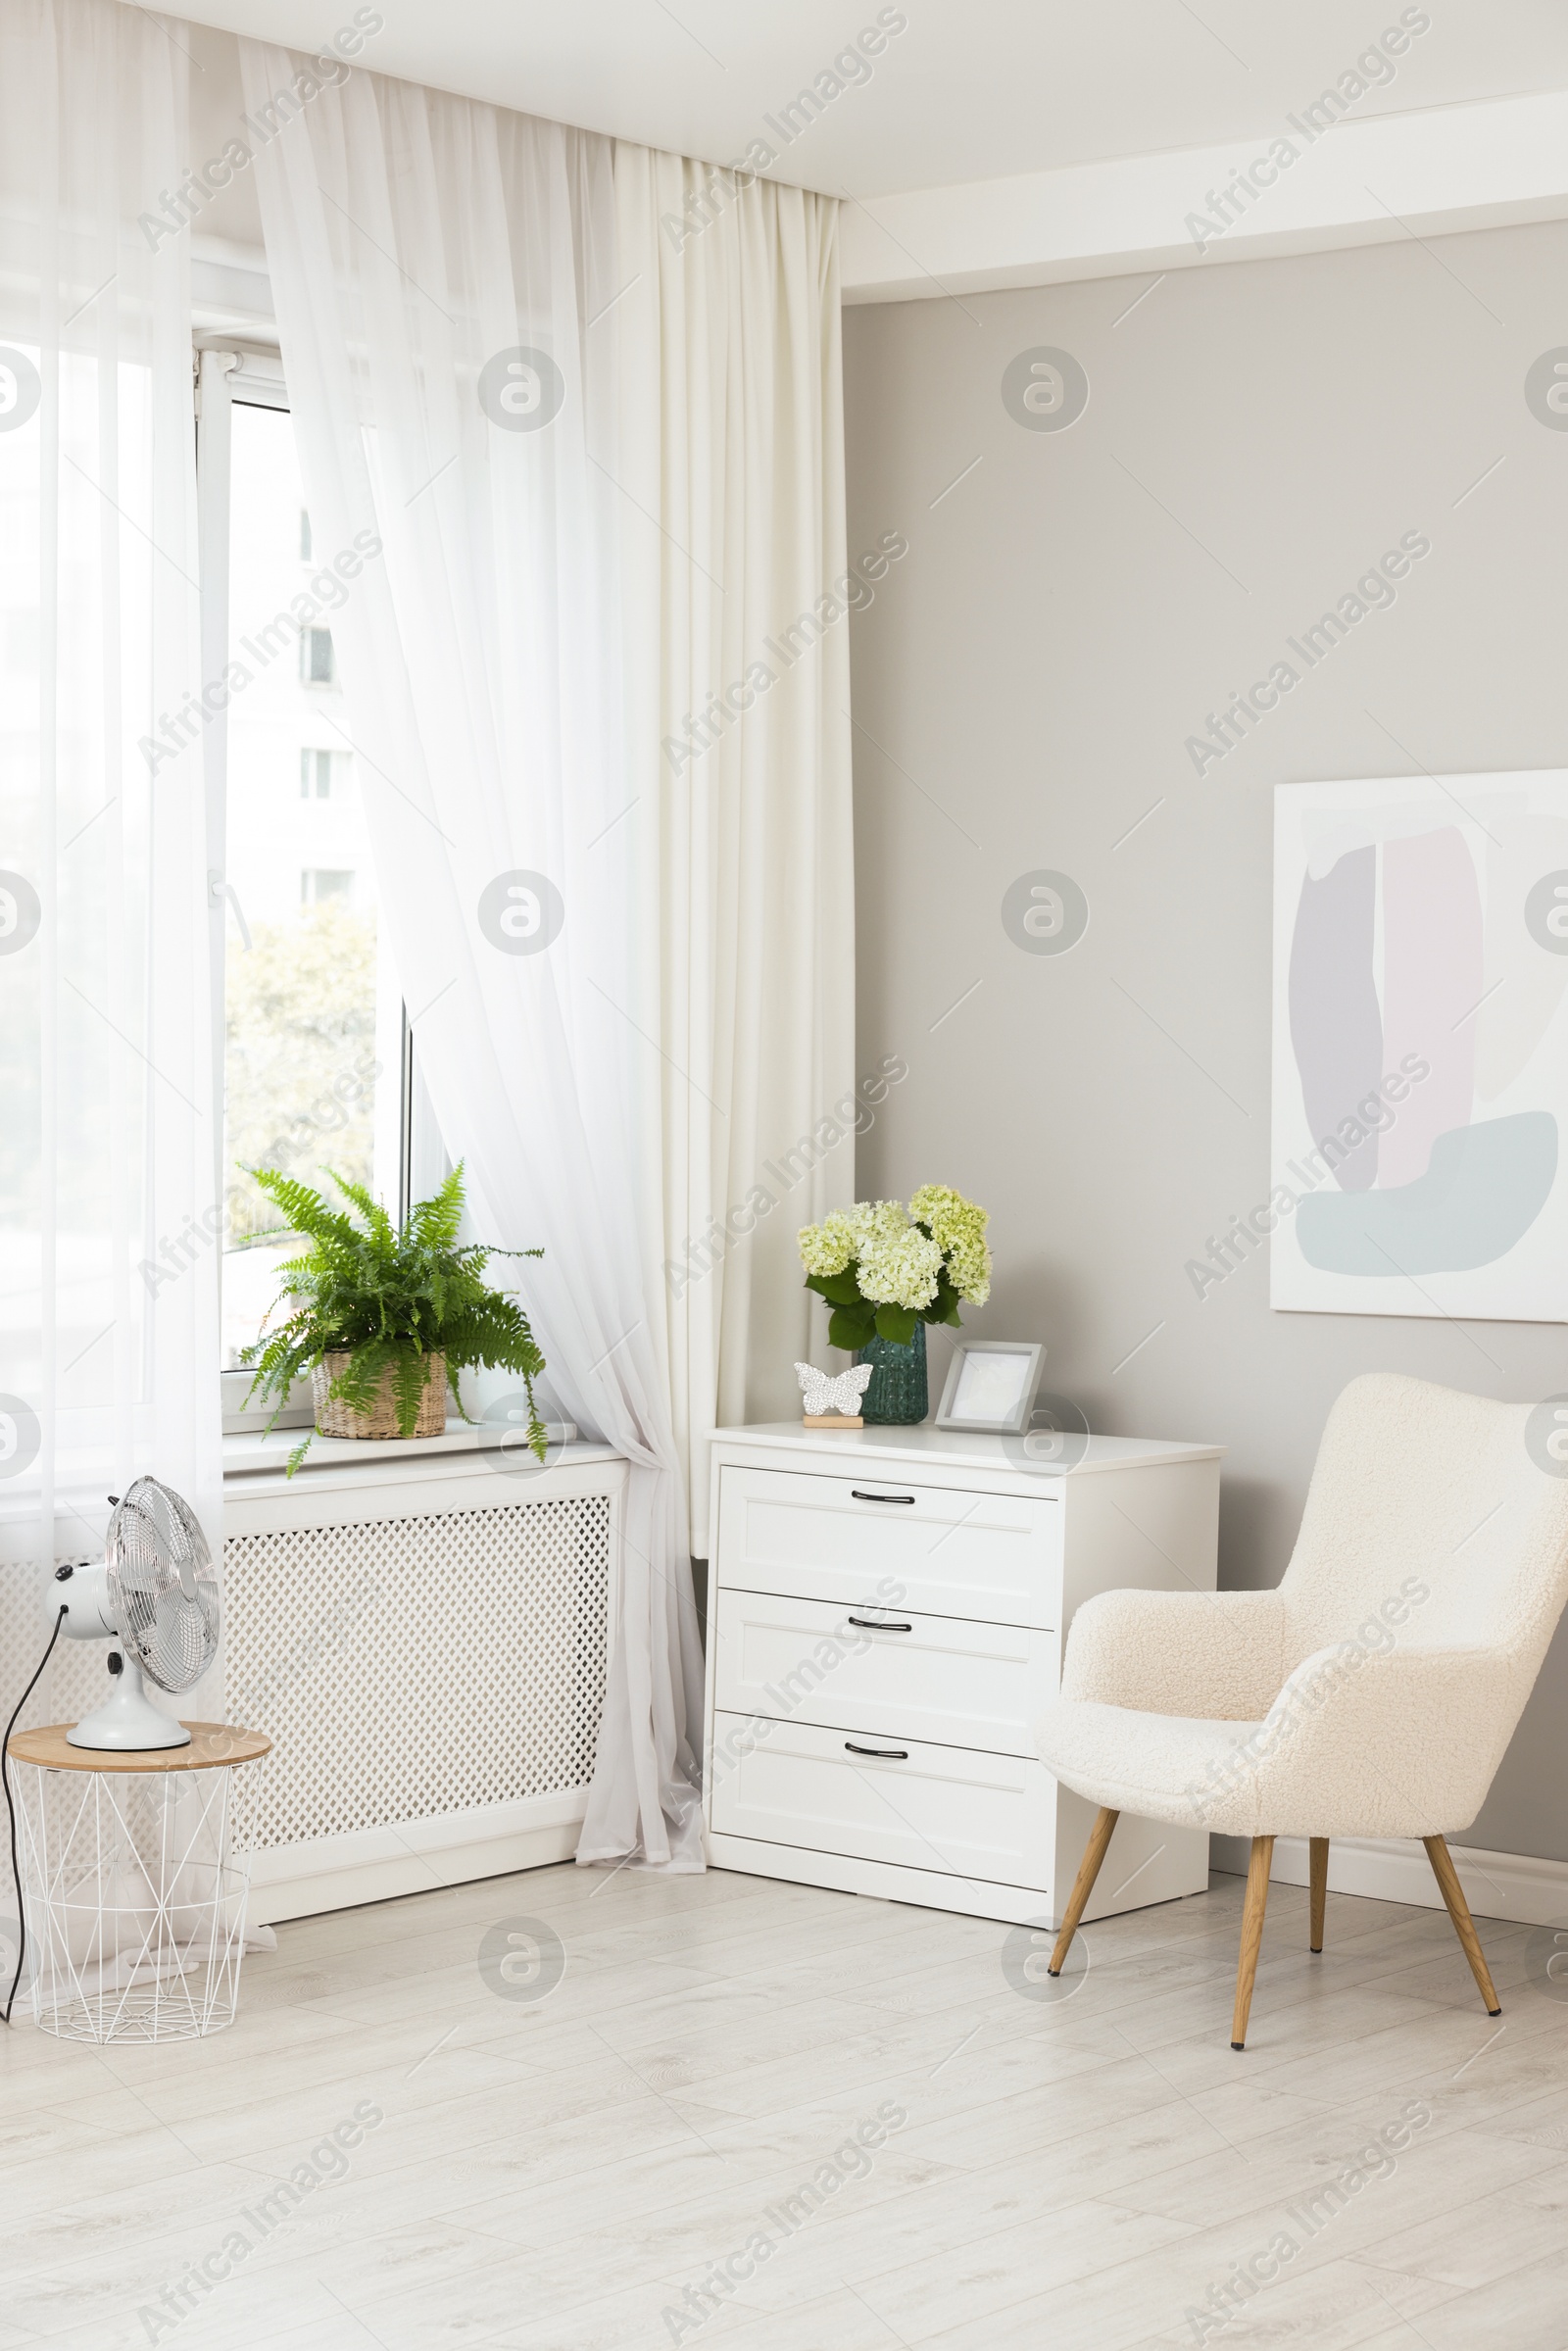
(596, 470)
(108, 1249)
(443, 275)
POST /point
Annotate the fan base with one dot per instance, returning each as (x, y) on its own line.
(128, 1721)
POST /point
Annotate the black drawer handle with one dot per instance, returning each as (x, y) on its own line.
(884, 1754)
(856, 1495)
(874, 1625)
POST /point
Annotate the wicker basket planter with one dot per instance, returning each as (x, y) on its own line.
(334, 1418)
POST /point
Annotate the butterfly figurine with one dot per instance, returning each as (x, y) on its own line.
(824, 1395)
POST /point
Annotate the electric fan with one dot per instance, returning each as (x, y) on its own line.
(156, 1595)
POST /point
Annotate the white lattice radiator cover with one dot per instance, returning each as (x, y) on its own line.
(419, 1666)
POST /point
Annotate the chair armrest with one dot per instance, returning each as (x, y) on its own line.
(1397, 1742)
(1217, 1655)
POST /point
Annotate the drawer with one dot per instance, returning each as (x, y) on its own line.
(941, 1679)
(986, 1818)
(950, 1553)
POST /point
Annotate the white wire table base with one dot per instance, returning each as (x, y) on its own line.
(134, 1888)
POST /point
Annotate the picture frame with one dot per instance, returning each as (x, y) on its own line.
(991, 1386)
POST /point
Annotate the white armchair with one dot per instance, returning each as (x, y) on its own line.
(1372, 1694)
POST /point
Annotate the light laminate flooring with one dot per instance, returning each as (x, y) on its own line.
(593, 2091)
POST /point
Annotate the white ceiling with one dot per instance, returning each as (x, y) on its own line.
(970, 90)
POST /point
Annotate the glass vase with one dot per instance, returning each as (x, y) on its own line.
(896, 1394)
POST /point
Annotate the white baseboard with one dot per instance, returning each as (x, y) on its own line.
(375, 1865)
(410, 1857)
(1394, 1869)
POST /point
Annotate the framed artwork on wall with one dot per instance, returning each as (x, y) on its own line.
(1421, 1047)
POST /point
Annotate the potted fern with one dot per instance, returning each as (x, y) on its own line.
(380, 1316)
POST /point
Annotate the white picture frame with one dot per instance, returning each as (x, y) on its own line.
(991, 1386)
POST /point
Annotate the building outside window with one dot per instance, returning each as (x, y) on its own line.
(314, 1056)
(317, 668)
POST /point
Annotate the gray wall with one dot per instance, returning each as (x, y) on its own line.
(1256, 435)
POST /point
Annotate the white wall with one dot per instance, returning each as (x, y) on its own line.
(1256, 434)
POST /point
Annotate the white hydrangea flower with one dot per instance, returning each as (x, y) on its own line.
(829, 1248)
(900, 1268)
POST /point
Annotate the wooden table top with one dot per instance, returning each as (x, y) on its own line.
(211, 1744)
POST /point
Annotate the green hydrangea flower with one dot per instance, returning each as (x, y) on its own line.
(959, 1229)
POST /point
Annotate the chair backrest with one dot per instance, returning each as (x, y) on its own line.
(1429, 1524)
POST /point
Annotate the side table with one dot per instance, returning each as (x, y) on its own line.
(133, 1882)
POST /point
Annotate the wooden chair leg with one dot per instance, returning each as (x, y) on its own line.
(1465, 1926)
(1318, 1872)
(1258, 1869)
(1082, 1885)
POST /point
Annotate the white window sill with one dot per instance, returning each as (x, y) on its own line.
(254, 1464)
(255, 1451)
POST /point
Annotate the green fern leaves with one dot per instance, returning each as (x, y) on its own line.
(388, 1299)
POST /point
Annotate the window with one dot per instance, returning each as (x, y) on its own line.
(317, 1074)
(315, 657)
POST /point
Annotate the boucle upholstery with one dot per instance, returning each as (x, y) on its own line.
(1375, 1691)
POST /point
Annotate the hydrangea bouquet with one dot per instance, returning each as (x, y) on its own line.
(883, 1268)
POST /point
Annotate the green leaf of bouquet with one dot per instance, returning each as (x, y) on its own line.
(839, 1289)
(850, 1327)
(944, 1308)
(896, 1324)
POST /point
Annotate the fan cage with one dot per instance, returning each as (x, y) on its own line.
(161, 1585)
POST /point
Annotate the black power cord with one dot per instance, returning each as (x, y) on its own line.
(5, 1776)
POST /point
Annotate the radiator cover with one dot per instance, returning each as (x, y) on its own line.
(417, 1666)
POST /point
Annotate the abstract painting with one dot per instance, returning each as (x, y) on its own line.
(1421, 1047)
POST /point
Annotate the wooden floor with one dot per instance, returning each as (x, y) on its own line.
(555, 2173)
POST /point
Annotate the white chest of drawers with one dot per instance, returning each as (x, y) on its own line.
(886, 1615)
